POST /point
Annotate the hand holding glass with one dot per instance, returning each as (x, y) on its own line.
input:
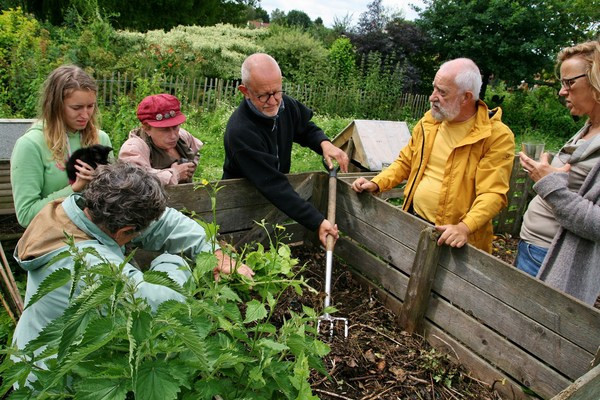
(533, 150)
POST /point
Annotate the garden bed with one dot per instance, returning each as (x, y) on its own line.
(378, 359)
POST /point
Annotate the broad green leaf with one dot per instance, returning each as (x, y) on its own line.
(255, 311)
(97, 331)
(11, 373)
(154, 382)
(319, 348)
(227, 293)
(309, 311)
(163, 279)
(208, 389)
(297, 344)
(256, 377)
(141, 327)
(231, 311)
(23, 393)
(192, 341)
(284, 251)
(271, 344)
(55, 280)
(102, 389)
(280, 372)
(266, 328)
(205, 262)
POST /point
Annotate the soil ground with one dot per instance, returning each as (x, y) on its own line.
(377, 359)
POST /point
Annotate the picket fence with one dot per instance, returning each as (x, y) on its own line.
(205, 93)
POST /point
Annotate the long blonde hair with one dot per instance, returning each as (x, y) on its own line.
(590, 53)
(60, 84)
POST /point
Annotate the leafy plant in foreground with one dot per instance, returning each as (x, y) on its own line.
(110, 344)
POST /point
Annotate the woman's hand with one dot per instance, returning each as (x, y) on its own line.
(84, 175)
(185, 171)
(539, 169)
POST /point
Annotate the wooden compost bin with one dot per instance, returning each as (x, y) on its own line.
(509, 329)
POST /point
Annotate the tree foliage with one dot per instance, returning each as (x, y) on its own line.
(145, 15)
(511, 39)
(396, 40)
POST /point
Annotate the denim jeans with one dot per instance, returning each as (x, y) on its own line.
(530, 257)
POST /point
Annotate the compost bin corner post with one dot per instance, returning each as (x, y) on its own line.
(420, 282)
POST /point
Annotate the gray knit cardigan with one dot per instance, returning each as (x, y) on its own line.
(572, 264)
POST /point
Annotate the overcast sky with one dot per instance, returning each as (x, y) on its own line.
(329, 9)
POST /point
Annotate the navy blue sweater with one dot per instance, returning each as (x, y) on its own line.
(260, 149)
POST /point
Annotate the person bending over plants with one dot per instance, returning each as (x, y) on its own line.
(124, 203)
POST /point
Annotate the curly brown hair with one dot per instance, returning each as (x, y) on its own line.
(122, 195)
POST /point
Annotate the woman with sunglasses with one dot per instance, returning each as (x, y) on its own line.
(560, 235)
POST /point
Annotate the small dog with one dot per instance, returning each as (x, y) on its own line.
(94, 155)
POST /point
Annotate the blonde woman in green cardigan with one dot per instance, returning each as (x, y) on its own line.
(67, 122)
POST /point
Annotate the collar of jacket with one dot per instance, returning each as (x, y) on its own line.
(481, 129)
(76, 214)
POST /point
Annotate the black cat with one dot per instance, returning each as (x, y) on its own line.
(94, 155)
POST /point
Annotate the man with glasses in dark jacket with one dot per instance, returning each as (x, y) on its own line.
(259, 138)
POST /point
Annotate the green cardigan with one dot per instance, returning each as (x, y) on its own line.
(35, 177)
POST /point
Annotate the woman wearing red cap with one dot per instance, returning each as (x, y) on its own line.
(160, 145)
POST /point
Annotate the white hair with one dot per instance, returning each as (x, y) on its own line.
(468, 77)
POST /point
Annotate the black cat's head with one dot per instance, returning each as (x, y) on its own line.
(98, 154)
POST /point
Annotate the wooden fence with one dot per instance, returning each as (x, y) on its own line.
(508, 328)
(206, 93)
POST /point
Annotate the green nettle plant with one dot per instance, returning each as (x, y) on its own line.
(219, 342)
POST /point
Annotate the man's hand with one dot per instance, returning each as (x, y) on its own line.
(327, 229)
(362, 184)
(330, 151)
(453, 235)
(538, 170)
(226, 266)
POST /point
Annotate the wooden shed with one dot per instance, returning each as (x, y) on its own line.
(371, 144)
(10, 131)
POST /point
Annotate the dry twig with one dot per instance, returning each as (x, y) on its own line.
(337, 396)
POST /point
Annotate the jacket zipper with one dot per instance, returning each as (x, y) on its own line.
(418, 169)
(276, 142)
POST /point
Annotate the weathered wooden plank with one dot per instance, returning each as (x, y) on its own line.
(486, 343)
(234, 193)
(560, 353)
(421, 280)
(294, 233)
(586, 387)
(381, 243)
(561, 313)
(371, 267)
(383, 217)
(493, 347)
(549, 346)
(274, 217)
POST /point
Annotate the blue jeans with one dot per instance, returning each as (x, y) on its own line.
(530, 257)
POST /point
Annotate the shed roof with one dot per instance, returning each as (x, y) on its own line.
(10, 131)
(373, 144)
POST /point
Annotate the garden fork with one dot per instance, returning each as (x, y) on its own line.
(329, 255)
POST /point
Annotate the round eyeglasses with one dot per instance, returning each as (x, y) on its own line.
(263, 98)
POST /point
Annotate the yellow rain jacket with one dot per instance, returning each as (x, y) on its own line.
(476, 177)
